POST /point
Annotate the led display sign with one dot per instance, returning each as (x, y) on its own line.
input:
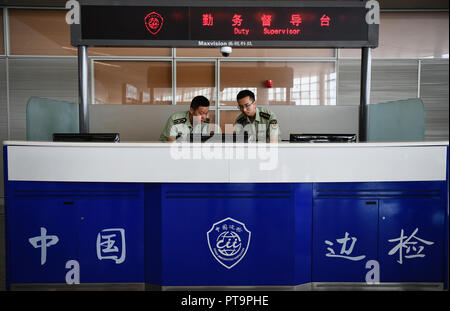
(307, 24)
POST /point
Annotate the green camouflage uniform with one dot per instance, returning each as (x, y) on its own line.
(265, 124)
(179, 124)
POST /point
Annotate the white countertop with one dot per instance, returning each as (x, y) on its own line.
(233, 162)
(168, 144)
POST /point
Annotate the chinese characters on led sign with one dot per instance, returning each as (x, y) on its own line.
(266, 20)
(267, 24)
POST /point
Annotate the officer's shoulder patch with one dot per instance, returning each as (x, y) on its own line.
(264, 115)
(241, 119)
(179, 121)
(273, 124)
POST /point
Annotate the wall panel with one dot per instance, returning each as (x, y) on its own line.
(434, 93)
(391, 80)
(55, 78)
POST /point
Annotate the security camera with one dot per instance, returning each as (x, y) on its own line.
(226, 51)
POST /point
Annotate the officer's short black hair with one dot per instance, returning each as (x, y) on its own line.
(245, 93)
(198, 101)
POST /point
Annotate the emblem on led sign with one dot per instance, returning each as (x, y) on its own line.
(154, 22)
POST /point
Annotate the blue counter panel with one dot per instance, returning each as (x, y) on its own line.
(100, 225)
(256, 220)
(211, 234)
(111, 241)
(401, 225)
(344, 238)
(411, 240)
(41, 238)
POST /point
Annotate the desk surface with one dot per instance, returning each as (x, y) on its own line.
(168, 144)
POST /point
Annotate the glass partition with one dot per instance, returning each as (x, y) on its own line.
(195, 78)
(39, 32)
(131, 83)
(293, 83)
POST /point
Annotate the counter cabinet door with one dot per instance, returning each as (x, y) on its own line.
(412, 239)
(228, 234)
(41, 237)
(111, 240)
(344, 238)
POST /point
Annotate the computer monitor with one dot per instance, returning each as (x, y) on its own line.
(219, 138)
(86, 137)
(322, 138)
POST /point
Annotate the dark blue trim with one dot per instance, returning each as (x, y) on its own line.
(378, 189)
(6, 198)
(303, 209)
(152, 233)
(446, 238)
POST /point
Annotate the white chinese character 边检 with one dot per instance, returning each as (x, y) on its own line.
(344, 252)
(406, 243)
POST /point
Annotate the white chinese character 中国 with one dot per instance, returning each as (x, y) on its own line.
(43, 241)
(107, 247)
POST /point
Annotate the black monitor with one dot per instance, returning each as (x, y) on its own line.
(86, 137)
(322, 138)
(219, 138)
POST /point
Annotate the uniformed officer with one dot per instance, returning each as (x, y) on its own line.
(183, 123)
(257, 121)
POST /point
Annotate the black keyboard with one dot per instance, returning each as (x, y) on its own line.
(322, 138)
(88, 137)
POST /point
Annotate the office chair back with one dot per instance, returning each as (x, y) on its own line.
(47, 116)
(396, 121)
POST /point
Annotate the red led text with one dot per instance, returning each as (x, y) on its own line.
(296, 19)
(208, 20)
(325, 21)
(241, 31)
(237, 20)
(286, 31)
(266, 20)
